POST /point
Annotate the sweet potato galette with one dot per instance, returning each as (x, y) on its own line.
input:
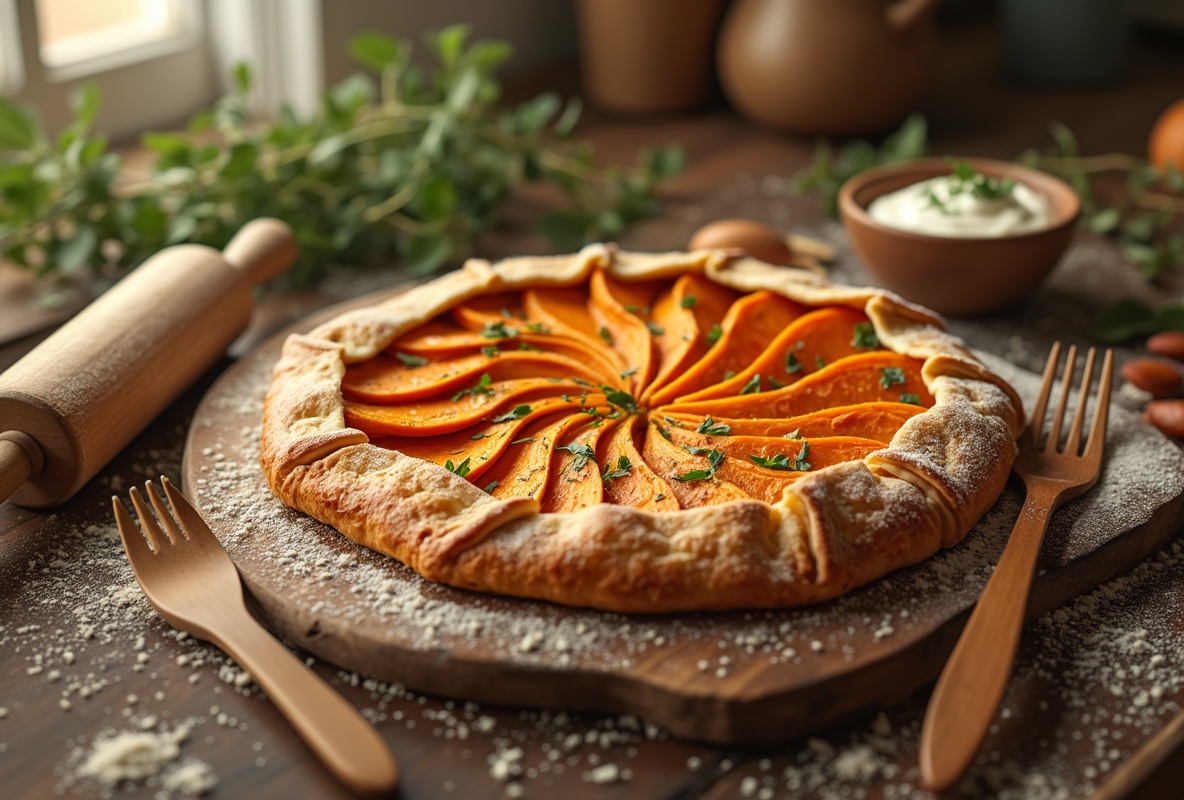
(641, 432)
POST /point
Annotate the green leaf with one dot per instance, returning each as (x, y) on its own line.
(753, 386)
(891, 376)
(864, 336)
(242, 77)
(449, 43)
(460, 470)
(414, 361)
(426, 254)
(75, 253)
(487, 56)
(623, 468)
(240, 160)
(710, 427)
(911, 399)
(534, 115)
(714, 333)
(1064, 139)
(438, 198)
(569, 118)
(664, 162)
(1124, 320)
(909, 142)
(18, 130)
(374, 50)
(518, 412)
(1105, 221)
(85, 102)
(582, 454)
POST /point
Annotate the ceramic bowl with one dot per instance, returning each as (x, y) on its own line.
(957, 276)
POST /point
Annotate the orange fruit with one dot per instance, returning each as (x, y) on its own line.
(1166, 145)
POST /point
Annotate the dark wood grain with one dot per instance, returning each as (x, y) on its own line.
(1053, 714)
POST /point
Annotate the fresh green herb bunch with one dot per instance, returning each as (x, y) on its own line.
(404, 163)
(829, 171)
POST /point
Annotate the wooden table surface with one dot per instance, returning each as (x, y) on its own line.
(84, 656)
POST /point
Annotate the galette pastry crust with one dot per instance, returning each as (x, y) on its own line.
(836, 528)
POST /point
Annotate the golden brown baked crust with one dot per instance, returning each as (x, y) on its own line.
(834, 529)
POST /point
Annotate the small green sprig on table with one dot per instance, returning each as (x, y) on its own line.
(1145, 222)
(400, 163)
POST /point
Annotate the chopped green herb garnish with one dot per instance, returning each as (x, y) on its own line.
(728, 374)
(492, 485)
(891, 376)
(655, 329)
(664, 433)
(714, 334)
(792, 435)
(518, 412)
(538, 327)
(710, 427)
(781, 461)
(583, 453)
(775, 384)
(523, 440)
(606, 335)
(526, 346)
(689, 301)
(911, 399)
(622, 469)
(792, 365)
(714, 459)
(491, 351)
(498, 330)
(581, 382)
(819, 362)
(477, 436)
(620, 398)
(460, 470)
(865, 336)
(482, 387)
(629, 373)
(753, 386)
(506, 312)
(410, 360)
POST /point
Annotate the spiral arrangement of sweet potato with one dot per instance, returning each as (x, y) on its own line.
(660, 394)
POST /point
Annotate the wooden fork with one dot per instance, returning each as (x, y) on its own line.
(190, 579)
(971, 686)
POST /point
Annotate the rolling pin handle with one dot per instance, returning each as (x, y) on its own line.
(21, 460)
(262, 249)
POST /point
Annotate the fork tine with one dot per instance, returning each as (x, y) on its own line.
(152, 532)
(1074, 442)
(133, 541)
(1036, 423)
(162, 513)
(194, 526)
(1097, 431)
(1054, 432)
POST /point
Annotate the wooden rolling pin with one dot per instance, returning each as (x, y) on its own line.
(72, 403)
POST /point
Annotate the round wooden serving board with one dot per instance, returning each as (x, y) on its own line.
(729, 678)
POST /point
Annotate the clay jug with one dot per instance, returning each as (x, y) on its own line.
(827, 66)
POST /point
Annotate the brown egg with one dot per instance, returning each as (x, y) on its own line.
(758, 239)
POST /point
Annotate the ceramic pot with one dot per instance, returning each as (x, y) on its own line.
(827, 66)
(648, 56)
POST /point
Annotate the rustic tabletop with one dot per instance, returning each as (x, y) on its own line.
(87, 663)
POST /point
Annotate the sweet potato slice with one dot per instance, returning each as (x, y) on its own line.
(868, 377)
(819, 337)
(876, 421)
(631, 482)
(444, 340)
(680, 469)
(389, 380)
(618, 309)
(682, 316)
(510, 402)
(751, 323)
(524, 470)
(574, 482)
